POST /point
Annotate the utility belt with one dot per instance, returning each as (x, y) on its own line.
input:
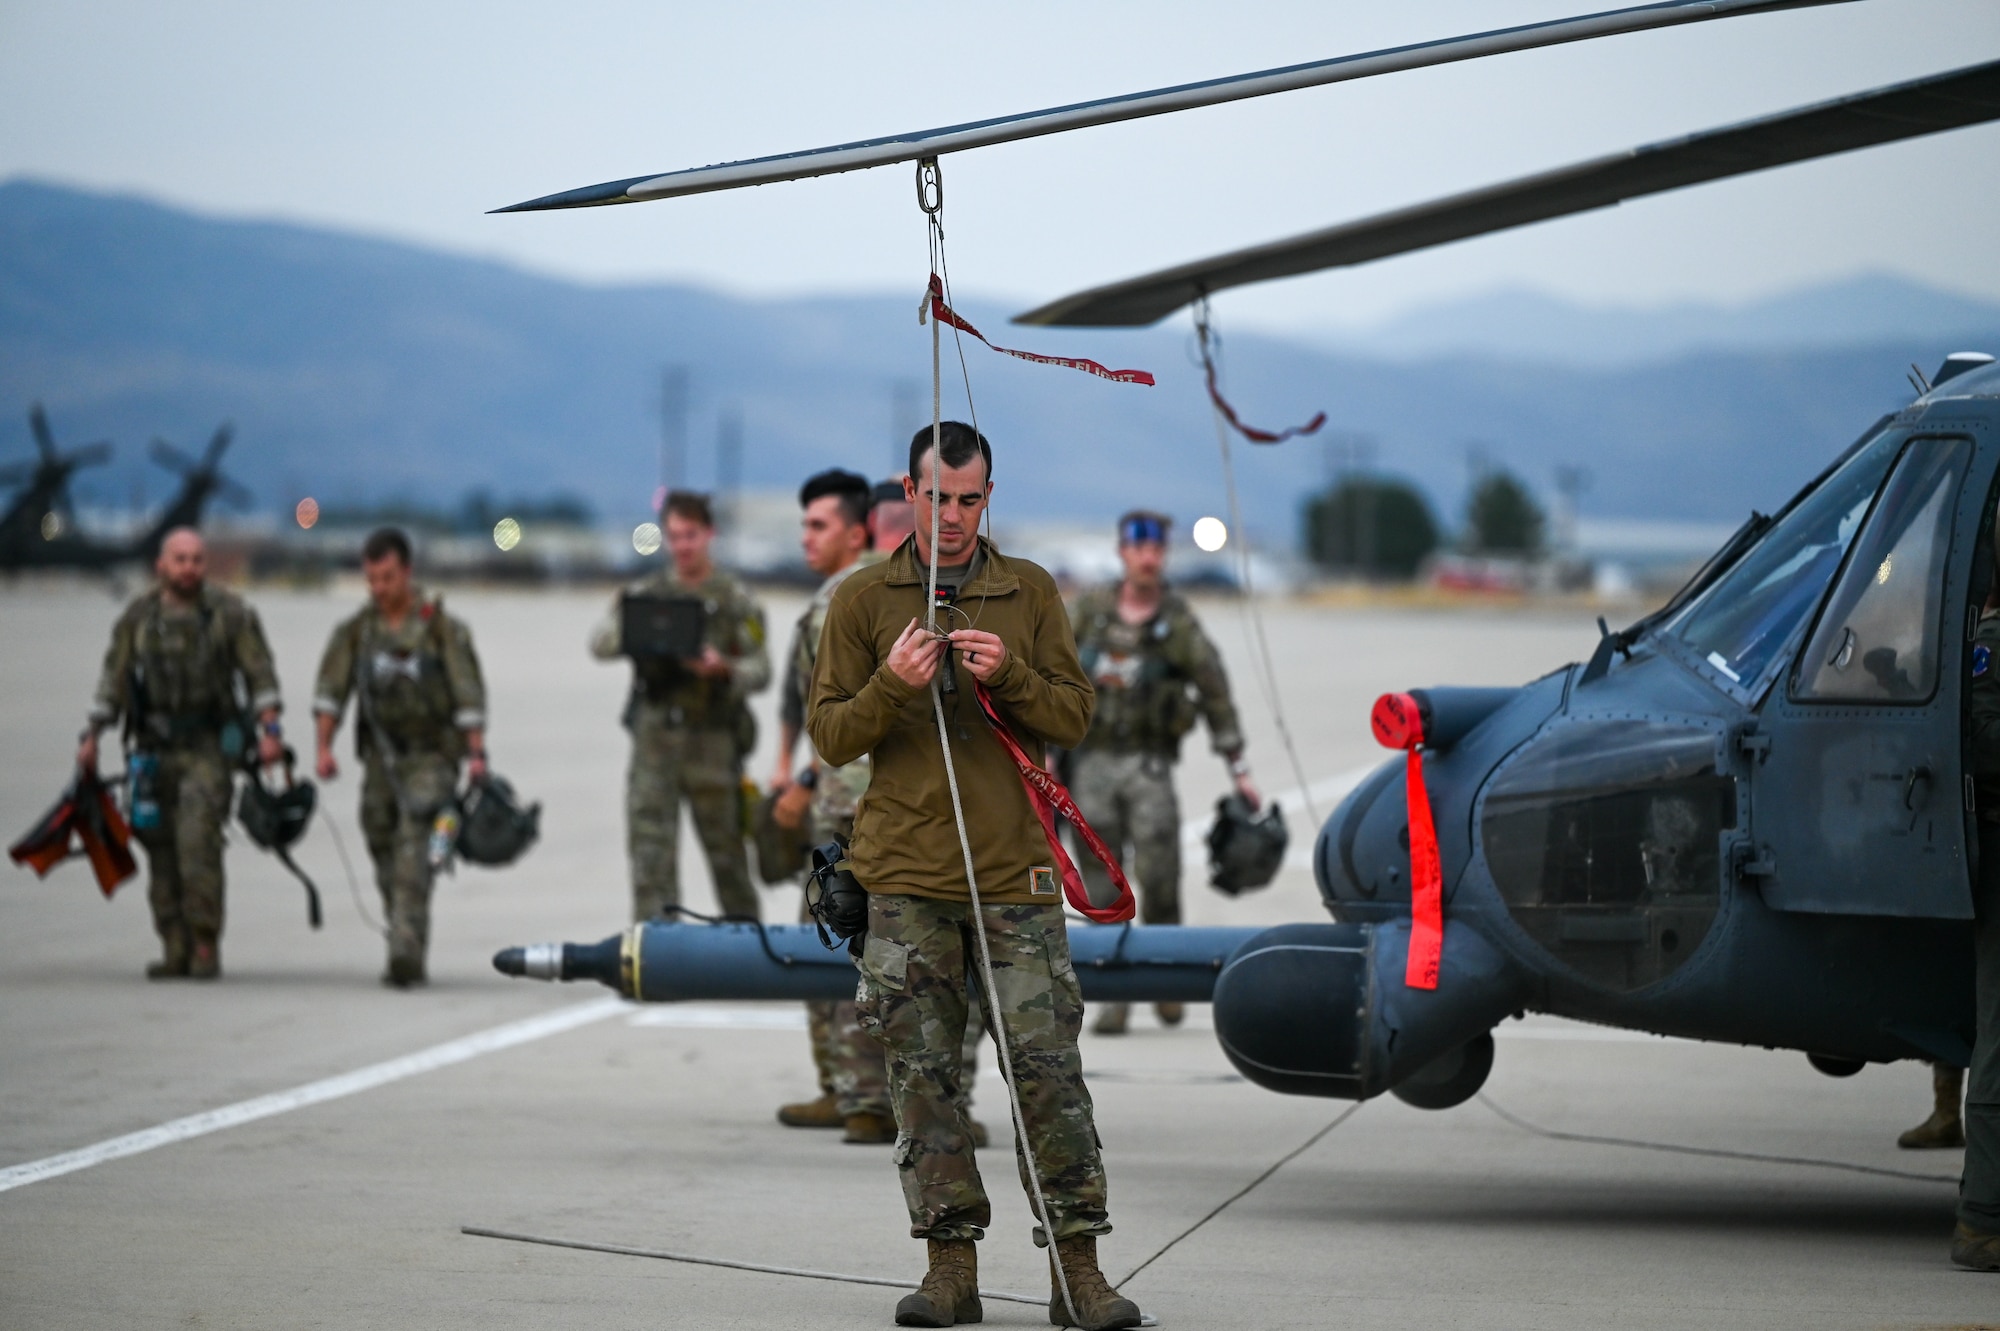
(438, 738)
(1167, 753)
(183, 730)
(683, 715)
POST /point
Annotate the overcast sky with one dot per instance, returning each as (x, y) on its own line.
(409, 119)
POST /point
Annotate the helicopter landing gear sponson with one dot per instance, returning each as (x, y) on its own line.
(1322, 1009)
(1833, 1066)
(1451, 1080)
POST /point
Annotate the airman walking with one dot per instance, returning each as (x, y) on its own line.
(1155, 672)
(187, 669)
(420, 706)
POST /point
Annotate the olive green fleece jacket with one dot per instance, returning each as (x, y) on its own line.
(905, 838)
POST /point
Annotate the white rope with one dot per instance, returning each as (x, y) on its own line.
(993, 1006)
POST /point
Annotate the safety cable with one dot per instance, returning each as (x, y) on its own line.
(930, 178)
(1260, 646)
(763, 938)
(347, 867)
(1246, 1189)
(1711, 1152)
(621, 1250)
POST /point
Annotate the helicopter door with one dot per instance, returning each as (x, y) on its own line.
(1856, 787)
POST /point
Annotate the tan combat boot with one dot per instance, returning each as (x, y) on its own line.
(950, 1292)
(1170, 1014)
(1098, 1306)
(205, 958)
(821, 1113)
(1112, 1019)
(869, 1129)
(1971, 1248)
(173, 962)
(1943, 1129)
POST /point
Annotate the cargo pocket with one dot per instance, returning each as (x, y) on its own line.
(885, 964)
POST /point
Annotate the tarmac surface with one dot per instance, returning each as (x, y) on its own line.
(333, 1188)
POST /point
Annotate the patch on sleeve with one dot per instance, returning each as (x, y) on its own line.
(1042, 881)
(1982, 660)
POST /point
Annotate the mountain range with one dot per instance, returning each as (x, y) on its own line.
(360, 370)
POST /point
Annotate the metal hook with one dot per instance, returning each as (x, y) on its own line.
(930, 186)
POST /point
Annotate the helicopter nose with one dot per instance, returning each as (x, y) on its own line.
(1363, 854)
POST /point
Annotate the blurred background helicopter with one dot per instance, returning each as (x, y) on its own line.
(40, 529)
(1741, 820)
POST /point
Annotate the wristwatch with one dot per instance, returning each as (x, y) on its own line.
(809, 778)
(274, 729)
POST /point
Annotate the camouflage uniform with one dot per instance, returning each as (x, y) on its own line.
(848, 1061)
(420, 688)
(179, 677)
(690, 736)
(1152, 680)
(912, 998)
(1979, 1191)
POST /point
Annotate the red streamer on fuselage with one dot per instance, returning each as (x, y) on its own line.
(1398, 724)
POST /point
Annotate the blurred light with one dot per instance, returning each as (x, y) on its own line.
(646, 538)
(51, 526)
(307, 512)
(1210, 534)
(506, 533)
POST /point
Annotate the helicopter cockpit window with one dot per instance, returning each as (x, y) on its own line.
(1878, 640)
(1742, 623)
(1604, 836)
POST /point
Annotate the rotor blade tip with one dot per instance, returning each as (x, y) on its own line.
(590, 196)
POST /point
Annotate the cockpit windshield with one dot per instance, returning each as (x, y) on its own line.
(1742, 623)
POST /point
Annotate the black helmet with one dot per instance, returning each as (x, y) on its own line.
(835, 898)
(274, 819)
(1245, 848)
(495, 828)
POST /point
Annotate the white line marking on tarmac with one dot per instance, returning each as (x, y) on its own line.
(312, 1093)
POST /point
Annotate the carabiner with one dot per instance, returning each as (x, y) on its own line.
(930, 186)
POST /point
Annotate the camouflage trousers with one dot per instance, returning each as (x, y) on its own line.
(701, 766)
(912, 997)
(847, 1059)
(1128, 798)
(398, 832)
(184, 852)
(1979, 1190)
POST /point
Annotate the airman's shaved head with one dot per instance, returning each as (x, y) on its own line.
(183, 563)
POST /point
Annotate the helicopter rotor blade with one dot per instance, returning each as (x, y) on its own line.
(1952, 100)
(172, 458)
(1159, 101)
(38, 425)
(216, 444)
